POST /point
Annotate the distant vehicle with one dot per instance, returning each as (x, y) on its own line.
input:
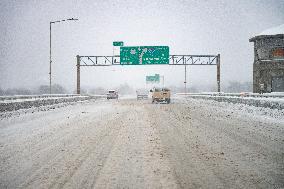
(142, 94)
(161, 95)
(112, 94)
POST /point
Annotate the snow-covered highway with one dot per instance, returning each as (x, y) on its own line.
(190, 143)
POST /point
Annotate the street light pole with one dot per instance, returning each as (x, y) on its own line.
(163, 82)
(50, 57)
(50, 60)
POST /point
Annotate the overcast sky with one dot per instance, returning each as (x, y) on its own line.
(187, 27)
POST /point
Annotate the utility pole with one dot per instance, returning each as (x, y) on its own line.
(163, 80)
(50, 59)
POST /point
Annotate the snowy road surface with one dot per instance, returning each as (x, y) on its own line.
(136, 144)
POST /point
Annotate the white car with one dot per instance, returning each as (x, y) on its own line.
(112, 94)
(142, 94)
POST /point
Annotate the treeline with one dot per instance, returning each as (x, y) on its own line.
(230, 87)
(125, 89)
(42, 89)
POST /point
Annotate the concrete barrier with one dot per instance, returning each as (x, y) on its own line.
(24, 103)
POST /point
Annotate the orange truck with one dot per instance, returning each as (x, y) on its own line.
(161, 95)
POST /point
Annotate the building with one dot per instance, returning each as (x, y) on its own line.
(268, 67)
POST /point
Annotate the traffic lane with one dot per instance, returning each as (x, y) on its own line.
(208, 148)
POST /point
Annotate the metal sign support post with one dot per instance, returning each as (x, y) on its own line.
(163, 76)
(78, 74)
(185, 79)
(218, 73)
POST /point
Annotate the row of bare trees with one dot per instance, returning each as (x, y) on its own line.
(42, 89)
(124, 89)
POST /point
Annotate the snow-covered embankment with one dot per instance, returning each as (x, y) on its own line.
(273, 103)
(24, 103)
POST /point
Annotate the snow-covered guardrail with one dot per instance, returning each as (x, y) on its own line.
(242, 94)
(15, 97)
(12, 104)
(273, 101)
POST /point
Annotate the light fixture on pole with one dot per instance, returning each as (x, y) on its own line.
(50, 60)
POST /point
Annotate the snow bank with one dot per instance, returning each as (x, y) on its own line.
(242, 111)
(17, 97)
(24, 103)
(242, 94)
(273, 103)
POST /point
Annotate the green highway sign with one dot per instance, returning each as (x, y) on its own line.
(136, 55)
(117, 43)
(153, 79)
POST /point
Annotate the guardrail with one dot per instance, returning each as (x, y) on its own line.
(273, 101)
(15, 97)
(242, 94)
(12, 104)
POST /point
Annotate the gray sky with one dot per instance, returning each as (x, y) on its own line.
(187, 27)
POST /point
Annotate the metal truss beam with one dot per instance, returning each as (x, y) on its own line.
(173, 60)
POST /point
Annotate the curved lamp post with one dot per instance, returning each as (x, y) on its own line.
(50, 61)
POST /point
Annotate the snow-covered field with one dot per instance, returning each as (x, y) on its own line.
(190, 143)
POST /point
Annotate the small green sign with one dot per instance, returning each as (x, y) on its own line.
(118, 43)
(153, 79)
(137, 55)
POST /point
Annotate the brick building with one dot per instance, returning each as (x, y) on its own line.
(268, 67)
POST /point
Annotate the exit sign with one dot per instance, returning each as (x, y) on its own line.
(153, 78)
(118, 43)
(141, 55)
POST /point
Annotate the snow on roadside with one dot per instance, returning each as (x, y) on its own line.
(46, 108)
(239, 109)
(273, 103)
(32, 99)
(16, 113)
(13, 105)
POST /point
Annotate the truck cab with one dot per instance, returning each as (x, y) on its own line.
(161, 95)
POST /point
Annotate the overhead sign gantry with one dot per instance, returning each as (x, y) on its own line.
(147, 55)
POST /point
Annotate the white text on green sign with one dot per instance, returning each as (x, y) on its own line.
(117, 43)
(139, 55)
